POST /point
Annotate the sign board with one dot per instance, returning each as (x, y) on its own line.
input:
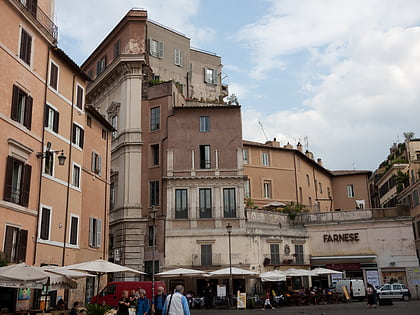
(241, 300)
(372, 277)
(221, 290)
(413, 275)
(336, 277)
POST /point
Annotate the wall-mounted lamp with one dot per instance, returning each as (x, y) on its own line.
(49, 152)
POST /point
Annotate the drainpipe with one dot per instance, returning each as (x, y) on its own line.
(42, 150)
(63, 259)
(106, 204)
(296, 181)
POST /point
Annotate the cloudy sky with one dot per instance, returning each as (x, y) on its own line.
(340, 76)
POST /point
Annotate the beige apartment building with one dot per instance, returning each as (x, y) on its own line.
(146, 78)
(55, 150)
(284, 174)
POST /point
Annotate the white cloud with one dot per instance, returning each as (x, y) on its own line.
(368, 97)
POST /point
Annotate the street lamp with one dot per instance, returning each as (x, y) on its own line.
(153, 212)
(229, 230)
(49, 153)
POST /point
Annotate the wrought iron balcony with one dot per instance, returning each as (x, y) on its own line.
(39, 17)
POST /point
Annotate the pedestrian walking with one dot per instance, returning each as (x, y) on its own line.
(143, 305)
(159, 301)
(176, 303)
(123, 304)
(267, 301)
(371, 296)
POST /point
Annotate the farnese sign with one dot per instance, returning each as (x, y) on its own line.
(344, 237)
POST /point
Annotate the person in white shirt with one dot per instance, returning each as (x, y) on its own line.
(176, 303)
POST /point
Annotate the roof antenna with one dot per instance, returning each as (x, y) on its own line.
(262, 128)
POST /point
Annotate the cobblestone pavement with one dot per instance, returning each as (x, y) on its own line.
(353, 308)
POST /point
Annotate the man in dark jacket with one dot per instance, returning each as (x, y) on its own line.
(159, 301)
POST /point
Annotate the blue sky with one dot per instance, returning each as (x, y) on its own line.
(342, 74)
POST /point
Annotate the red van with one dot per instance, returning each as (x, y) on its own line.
(113, 291)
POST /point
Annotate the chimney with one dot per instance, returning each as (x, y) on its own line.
(319, 161)
(309, 154)
(288, 146)
(299, 147)
(273, 143)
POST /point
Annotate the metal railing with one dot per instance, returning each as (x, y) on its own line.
(34, 12)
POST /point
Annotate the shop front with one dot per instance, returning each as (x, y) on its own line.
(363, 244)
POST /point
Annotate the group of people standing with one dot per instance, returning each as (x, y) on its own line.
(172, 304)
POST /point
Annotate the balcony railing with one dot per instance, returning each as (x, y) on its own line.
(292, 259)
(34, 12)
(213, 260)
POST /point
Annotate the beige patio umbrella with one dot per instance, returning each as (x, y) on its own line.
(323, 271)
(235, 272)
(273, 275)
(181, 272)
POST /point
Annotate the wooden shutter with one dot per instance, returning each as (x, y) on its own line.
(161, 49)
(91, 231)
(45, 223)
(46, 115)
(7, 195)
(8, 242)
(32, 6)
(93, 162)
(15, 100)
(21, 245)
(99, 165)
(73, 138)
(26, 184)
(79, 101)
(27, 121)
(53, 76)
(74, 230)
(98, 233)
(214, 79)
(56, 121)
(82, 136)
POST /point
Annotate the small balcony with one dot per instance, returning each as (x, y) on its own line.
(291, 260)
(206, 260)
(39, 17)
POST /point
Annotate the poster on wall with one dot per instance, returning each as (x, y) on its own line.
(221, 290)
(372, 277)
(241, 301)
(24, 294)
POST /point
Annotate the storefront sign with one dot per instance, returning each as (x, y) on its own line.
(344, 237)
(221, 290)
(341, 267)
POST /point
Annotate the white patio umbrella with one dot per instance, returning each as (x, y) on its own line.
(181, 272)
(72, 274)
(273, 275)
(235, 272)
(323, 271)
(293, 272)
(23, 276)
(101, 266)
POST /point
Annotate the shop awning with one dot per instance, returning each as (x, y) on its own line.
(346, 258)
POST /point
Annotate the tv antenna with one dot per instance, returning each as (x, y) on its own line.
(262, 128)
(306, 141)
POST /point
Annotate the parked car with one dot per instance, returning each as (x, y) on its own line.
(355, 288)
(394, 291)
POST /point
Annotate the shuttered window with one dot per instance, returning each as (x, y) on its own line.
(45, 224)
(96, 163)
(51, 119)
(17, 181)
(205, 202)
(15, 243)
(210, 75)
(53, 76)
(79, 96)
(205, 156)
(95, 232)
(275, 254)
(179, 59)
(25, 46)
(156, 48)
(21, 107)
(78, 136)
(74, 230)
(229, 203)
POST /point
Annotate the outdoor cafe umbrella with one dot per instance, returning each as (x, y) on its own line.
(181, 272)
(273, 275)
(323, 271)
(23, 276)
(293, 272)
(100, 267)
(235, 272)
